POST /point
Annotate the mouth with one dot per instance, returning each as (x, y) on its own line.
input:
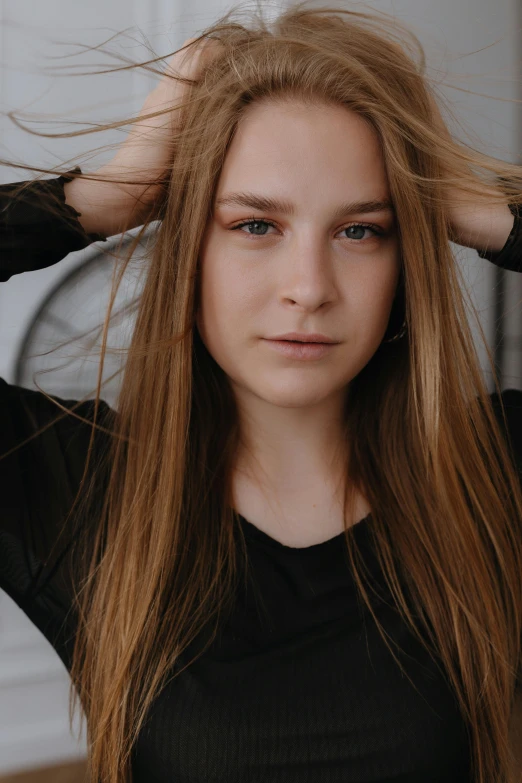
(306, 339)
(296, 349)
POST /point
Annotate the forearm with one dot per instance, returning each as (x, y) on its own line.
(483, 228)
(107, 208)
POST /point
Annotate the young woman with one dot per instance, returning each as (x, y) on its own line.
(275, 561)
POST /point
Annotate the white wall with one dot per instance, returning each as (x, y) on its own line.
(33, 682)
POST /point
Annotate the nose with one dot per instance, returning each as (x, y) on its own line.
(308, 275)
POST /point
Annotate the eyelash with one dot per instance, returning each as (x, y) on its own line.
(375, 229)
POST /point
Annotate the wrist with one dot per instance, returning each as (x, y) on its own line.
(105, 207)
(484, 228)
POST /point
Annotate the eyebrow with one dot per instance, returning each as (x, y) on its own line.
(284, 207)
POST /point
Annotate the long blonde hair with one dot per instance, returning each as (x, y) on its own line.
(161, 560)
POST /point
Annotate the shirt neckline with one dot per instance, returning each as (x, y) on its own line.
(360, 531)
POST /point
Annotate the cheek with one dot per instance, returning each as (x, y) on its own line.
(369, 313)
(372, 297)
(226, 301)
(229, 289)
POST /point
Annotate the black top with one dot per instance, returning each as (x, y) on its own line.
(305, 690)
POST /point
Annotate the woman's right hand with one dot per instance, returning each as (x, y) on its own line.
(109, 208)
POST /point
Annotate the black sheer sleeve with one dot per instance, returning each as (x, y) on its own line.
(37, 227)
(39, 479)
(510, 257)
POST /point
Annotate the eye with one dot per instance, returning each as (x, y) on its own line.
(360, 228)
(253, 222)
(262, 224)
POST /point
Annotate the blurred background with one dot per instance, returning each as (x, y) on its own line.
(48, 78)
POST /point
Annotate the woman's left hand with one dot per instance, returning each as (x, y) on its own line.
(472, 222)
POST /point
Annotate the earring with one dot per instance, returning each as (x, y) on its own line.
(399, 334)
(398, 310)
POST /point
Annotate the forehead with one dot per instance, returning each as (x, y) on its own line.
(309, 147)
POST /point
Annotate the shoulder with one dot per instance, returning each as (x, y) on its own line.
(512, 404)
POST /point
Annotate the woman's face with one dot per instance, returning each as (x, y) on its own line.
(309, 267)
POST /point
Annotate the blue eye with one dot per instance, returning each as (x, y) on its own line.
(257, 222)
(359, 227)
(253, 223)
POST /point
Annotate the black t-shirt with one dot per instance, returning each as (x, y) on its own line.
(298, 685)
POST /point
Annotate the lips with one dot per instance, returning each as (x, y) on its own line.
(312, 337)
(296, 349)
